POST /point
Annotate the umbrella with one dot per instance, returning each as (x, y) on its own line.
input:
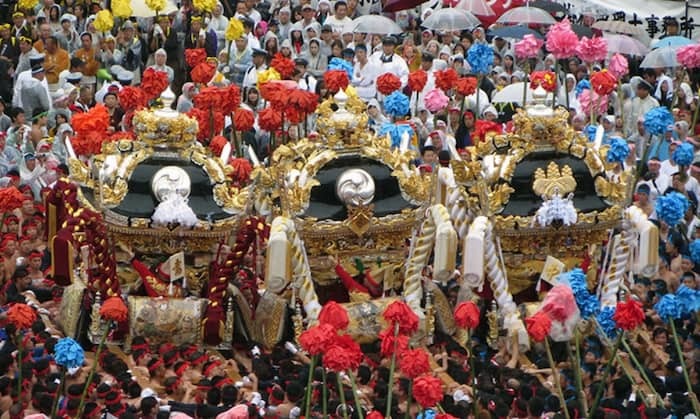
(398, 5)
(476, 7)
(550, 6)
(673, 42)
(141, 10)
(375, 24)
(527, 14)
(515, 32)
(618, 26)
(660, 58)
(581, 30)
(451, 20)
(514, 93)
(625, 44)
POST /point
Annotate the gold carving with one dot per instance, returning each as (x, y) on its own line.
(359, 218)
(554, 181)
(166, 320)
(172, 132)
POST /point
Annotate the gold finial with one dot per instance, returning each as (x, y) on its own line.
(554, 181)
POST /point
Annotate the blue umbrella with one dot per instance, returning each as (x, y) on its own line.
(515, 32)
(673, 42)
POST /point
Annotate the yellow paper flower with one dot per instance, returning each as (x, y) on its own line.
(122, 8)
(155, 5)
(104, 21)
(350, 91)
(27, 4)
(204, 5)
(267, 75)
(234, 29)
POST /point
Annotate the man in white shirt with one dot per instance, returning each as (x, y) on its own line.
(340, 18)
(251, 76)
(308, 14)
(305, 80)
(389, 62)
(24, 77)
(364, 74)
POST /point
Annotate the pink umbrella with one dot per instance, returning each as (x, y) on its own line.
(477, 7)
(624, 44)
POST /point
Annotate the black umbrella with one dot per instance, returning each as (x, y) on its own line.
(582, 31)
(515, 32)
(550, 6)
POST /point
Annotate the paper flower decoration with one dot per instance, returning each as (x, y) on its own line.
(267, 75)
(427, 390)
(339, 358)
(592, 50)
(414, 363)
(396, 104)
(581, 86)
(688, 299)
(618, 66)
(668, 307)
(230, 98)
(538, 326)
(155, 5)
(234, 30)
(285, 66)
(671, 208)
(657, 120)
(587, 303)
(606, 321)
(628, 315)
(695, 251)
(466, 86)
(483, 128)
(417, 80)
(546, 79)
(436, 100)
(684, 154)
(104, 22)
(315, 340)
(90, 130)
(336, 80)
(121, 8)
(21, 315)
(561, 40)
(528, 47)
(68, 353)
(153, 82)
(195, 56)
(10, 199)
(269, 119)
(400, 313)
(590, 99)
(204, 5)
(388, 83)
(334, 314)
(27, 4)
(395, 131)
(689, 56)
(243, 119)
(340, 64)
(446, 79)
(114, 309)
(603, 82)
(467, 315)
(132, 98)
(480, 58)
(618, 151)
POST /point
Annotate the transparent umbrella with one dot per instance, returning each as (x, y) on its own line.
(624, 44)
(375, 24)
(527, 15)
(660, 58)
(476, 7)
(673, 42)
(451, 20)
(513, 93)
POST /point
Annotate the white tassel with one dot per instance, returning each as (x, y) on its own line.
(174, 209)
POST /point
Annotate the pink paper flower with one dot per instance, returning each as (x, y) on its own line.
(561, 40)
(528, 47)
(689, 56)
(589, 98)
(592, 50)
(618, 66)
(559, 304)
(436, 100)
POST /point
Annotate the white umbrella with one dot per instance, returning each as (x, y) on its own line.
(375, 24)
(660, 58)
(451, 19)
(514, 93)
(477, 7)
(141, 10)
(624, 44)
(617, 26)
(527, 15)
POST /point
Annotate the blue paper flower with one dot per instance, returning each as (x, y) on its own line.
(671, 208)
(589, 131)
(684, 154)
(695, 251)
(688, 299)
(480, 58)
(668, 307)
(605, 319)
(584, 84)
(619, 150)
(657, 120)
(587, 304)
(68, 353)
(396, 104)
(427, 414)
(395, 131)
(340, 64)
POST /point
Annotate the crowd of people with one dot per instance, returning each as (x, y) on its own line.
(57, 62)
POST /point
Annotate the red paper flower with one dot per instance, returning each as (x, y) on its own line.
(341, 359)
(10, 199)
(132, 98)
(467, 315)
(269, 119)
(374, 415)
(466, 86)
(427, 390)
(388, 83)
(243, 119)
(336, 80)
(203, 72)
(603, 82)
(204, 120)
(208, 98)
(388, 341)
(546, 79)
(21, 315)
(305, 102)
(446, 79)
(114, 309)
(316, 339)
(241, 171)
(275, 93)
(483, 127)
(414, 363)
(334, 314)
(417, 80)
(283, 65)
(231, 98)
(217, 145)
(195, 56)
(90, 130)
(153, 82)
(628, 315)
(538, 326)
(400, 313)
